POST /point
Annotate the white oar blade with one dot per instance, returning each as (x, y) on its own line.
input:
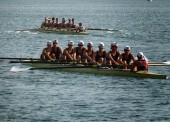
(17, 69)
(167, 62)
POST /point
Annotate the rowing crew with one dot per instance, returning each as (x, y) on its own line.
(54, 23)
(81, 54)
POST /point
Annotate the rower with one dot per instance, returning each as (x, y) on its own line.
(68, 53)
(79, 51)
(46, 51)
(89, 54)
(57, 25)
(141, 64)
(44, 24)
(69, 24)
(100, 54)
(113, 55)
(126, 57)
(80, 28)
(63, 24)
(53, 22)
(56, 51)
(73, 24)
(49, 23)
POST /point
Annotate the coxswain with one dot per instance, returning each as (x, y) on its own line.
(56, 51)
(80, 28)
(68, 53)
(45, 23)
(113, 55)
(89, 54)
(126, 57)
(79, 51)
(46, 51)
(141, 64)
(100, 54)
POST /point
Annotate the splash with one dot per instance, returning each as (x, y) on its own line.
(17, 69)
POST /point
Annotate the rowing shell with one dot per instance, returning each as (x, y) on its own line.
(60, 31)
(96, 70)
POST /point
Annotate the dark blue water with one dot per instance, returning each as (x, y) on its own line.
(35, 96)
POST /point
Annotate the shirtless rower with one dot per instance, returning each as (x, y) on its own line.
(79, 51)
(68, 53)
(141, 64)
(113, 55)
(126, 57)
(46, 51)
(100, 54)
(56, 51)
(89, 54)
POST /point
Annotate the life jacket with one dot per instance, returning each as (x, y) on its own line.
(142, 65)
(100, 56)
(56, 52)
(127, 58)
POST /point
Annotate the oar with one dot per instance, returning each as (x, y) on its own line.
(27, 30)
(159, 63)
(19, 58)
(102, 29)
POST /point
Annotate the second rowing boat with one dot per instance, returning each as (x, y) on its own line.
(60, 31)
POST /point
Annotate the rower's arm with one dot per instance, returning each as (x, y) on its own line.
(112, 60)
(68, 55)
(133, 66)
(74, 54)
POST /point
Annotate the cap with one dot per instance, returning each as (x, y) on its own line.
(69, 19)
(114, 44)
(140, 55)
(90, 44)
(80, 42)
(55, 41)
(71, 43)
(63, 18)
(101, 44)
(49, 43)
(127, 48)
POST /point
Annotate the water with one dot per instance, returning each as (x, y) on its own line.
(43, 95)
